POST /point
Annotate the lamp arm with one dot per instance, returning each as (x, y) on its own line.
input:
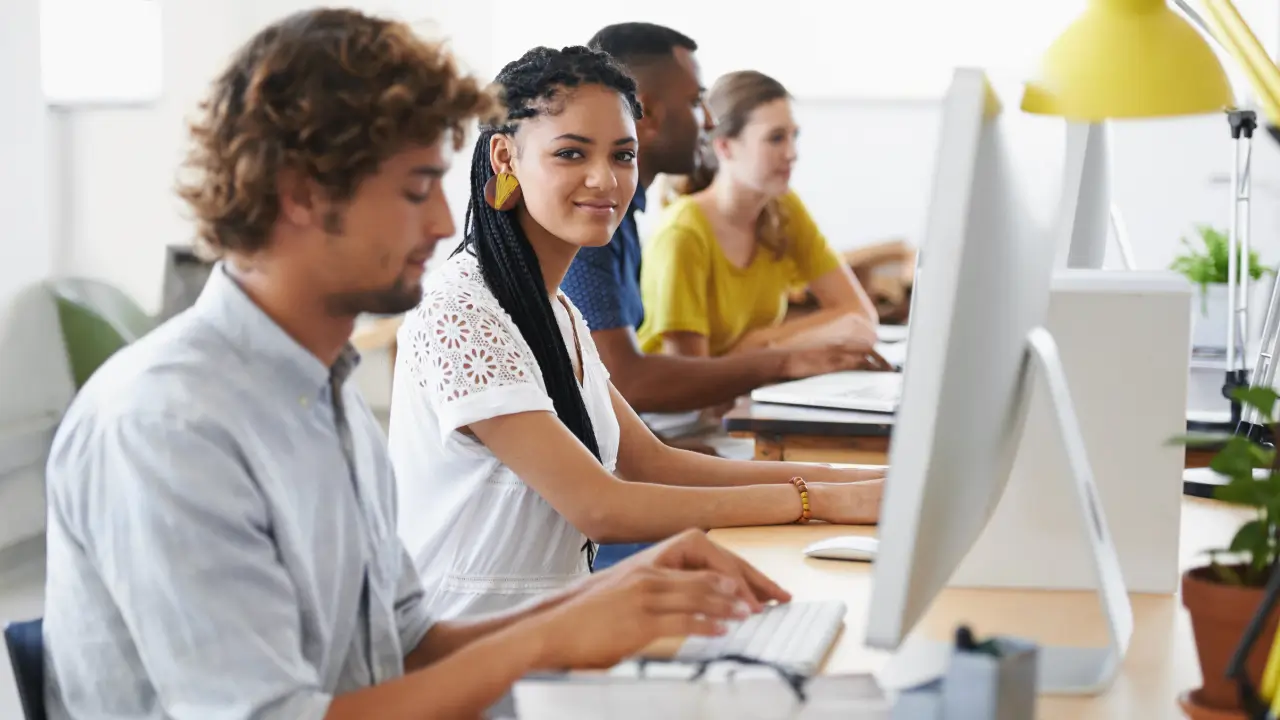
(1194, 17)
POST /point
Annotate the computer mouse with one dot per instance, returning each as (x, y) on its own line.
(861, 548)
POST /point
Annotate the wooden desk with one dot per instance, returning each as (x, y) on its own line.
(1161, 662)
(805, 434)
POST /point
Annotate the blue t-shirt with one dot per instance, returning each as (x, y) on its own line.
(604, 282)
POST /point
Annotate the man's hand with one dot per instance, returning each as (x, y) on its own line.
(834, 356)
(684, 586)
(693, 550)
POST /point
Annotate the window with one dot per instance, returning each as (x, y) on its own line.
(100, 52)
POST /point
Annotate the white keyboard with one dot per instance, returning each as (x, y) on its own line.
(794, 635)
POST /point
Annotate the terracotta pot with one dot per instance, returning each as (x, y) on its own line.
(1219, 614)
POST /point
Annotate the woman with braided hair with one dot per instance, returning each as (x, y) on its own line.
(513, 452)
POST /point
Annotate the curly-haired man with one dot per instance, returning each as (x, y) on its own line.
(221, 537)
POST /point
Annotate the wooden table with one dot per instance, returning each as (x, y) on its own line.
(805, 434)
(1161, 662)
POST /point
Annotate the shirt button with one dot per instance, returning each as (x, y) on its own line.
(303, 401)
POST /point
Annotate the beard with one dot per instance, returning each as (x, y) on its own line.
(681, 161)
(677, 156)
(400, 297)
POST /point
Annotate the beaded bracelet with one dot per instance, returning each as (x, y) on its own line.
(804, 499)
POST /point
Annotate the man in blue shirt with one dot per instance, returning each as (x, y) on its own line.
(604, 282)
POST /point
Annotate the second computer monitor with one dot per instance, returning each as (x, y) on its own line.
(987, 262)
(1087, 196)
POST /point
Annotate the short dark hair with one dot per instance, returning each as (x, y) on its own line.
(328, 93)
(638, 43)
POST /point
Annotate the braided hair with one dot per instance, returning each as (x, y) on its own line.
(531, 86)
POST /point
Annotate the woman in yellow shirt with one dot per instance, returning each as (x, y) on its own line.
(718, 268)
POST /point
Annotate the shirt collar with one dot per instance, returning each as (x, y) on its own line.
(638, 200)
(225, 306)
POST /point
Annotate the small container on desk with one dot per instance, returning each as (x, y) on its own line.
(990, 680)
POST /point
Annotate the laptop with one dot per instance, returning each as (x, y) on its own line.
(867, 391)
(855, 390)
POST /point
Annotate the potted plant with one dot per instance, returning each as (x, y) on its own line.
(1206, 266)
(1223, 595)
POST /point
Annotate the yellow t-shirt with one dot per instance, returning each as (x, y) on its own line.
(688, 284)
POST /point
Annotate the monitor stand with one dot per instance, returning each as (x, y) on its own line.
(1062, 670)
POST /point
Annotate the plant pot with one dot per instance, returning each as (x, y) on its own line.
(1219, 614)
(1189, 702)
(1209, 313)
(1209, 317)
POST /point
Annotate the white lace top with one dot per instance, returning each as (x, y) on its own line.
(481, 539)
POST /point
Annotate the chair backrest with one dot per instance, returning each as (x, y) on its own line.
(185, 275)
(25, 641)
(97, 320)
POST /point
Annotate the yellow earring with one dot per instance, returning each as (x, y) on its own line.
(502, 192)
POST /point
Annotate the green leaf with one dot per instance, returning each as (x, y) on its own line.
(1237, 459)
(1227, 574)
(1262, 398)
(1271, 488)
(1208, 264)
(1251, 539)
(1242, 491)
(1263, 458)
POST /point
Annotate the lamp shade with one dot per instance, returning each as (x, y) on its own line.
(1128, 59)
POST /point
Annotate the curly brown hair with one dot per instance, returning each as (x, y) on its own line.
(327, 93)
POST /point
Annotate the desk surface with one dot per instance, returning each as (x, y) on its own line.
(808, 434)
(1161, 662)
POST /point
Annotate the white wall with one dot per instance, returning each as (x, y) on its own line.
(118, 207)
(33, 376)
(865, 168)
(866, 155)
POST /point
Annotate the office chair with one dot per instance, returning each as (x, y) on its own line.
(97, 319)
(25, 641)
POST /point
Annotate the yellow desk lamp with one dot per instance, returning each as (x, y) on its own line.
(1140, 59)
(1128, 59)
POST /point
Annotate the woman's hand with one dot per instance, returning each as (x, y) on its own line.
(856, 503)
(852, 331)
(831, 474)
(758, 339)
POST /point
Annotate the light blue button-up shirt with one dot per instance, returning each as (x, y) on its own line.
(221, 530)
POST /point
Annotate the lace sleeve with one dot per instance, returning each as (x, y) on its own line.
(468, 360)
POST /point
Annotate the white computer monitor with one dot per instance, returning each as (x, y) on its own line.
(997, 216)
